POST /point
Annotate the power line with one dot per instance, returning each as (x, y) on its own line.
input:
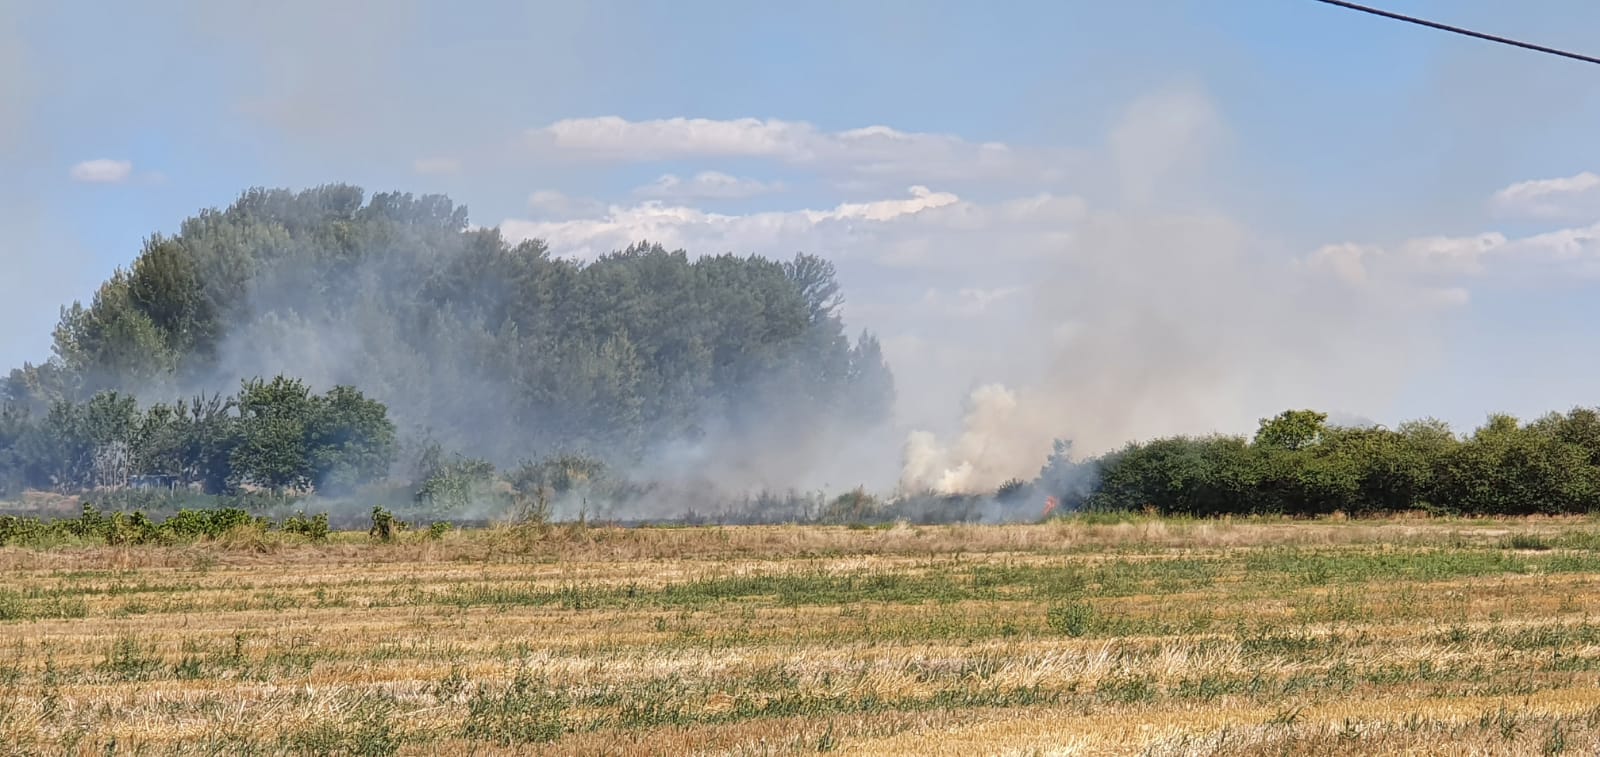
(1459, 30)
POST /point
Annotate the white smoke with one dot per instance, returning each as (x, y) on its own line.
(981, 456)
(1161, 315)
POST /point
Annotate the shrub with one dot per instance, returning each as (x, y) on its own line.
(535, 486)
(314, 528)
(134, 528)
(90, 525)
(1013, 490)
(208, 524)
(15, 529)
(851, 507)
(453, 485)
(385, 527)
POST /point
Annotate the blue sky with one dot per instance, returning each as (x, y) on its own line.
(1221, 206)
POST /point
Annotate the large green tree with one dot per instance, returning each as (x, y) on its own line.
(494, 349)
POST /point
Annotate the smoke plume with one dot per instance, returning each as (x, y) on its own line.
(1162, 314)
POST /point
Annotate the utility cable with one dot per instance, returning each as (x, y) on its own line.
(1459, 30)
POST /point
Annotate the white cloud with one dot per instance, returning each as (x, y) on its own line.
(925, 230)
(1441, 264)
(615, 137)
(842, 228)
(1423, 257)
(871, 150)
(1580, 243)
(1566, 198)
(1452, 255)
(436, 166)
(102, 171)
(706, 185)
(921, 199)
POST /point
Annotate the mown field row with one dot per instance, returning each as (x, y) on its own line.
(1086, 637)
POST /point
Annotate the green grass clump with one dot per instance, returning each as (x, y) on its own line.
(1072, 619)
(521, 713)
(1526, 541)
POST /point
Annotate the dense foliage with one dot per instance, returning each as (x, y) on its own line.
(1297, 464)
(276, 435)
(116, 528)
(494, 350)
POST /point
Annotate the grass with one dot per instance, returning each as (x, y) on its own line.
(1102, 635)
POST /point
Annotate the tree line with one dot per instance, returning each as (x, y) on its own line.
(1297, 464)
(276, 435)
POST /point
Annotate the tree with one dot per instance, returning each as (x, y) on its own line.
(1508, 469)
(815, 278)
(211, 433)
(1291, 429)
(165, 286)
(112, 343)
(275, 422)
(1194, 476)
(870, 382)
(350, 439)
(110, 423)
(161, 442)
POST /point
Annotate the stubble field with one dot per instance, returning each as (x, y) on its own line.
(1083, 636)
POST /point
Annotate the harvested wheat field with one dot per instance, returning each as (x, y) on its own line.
(1128, 636)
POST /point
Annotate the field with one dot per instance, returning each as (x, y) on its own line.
(1083, 636)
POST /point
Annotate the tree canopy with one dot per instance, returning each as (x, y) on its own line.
(275, 435)
(1297, 464)
(493, 349)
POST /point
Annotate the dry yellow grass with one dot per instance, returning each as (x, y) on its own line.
(1144, 637)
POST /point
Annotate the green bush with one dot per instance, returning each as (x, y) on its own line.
(1072, 619)
(15, 529)
(314, 528)
(208, 524)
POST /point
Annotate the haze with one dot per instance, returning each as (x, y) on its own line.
(1063, 220)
